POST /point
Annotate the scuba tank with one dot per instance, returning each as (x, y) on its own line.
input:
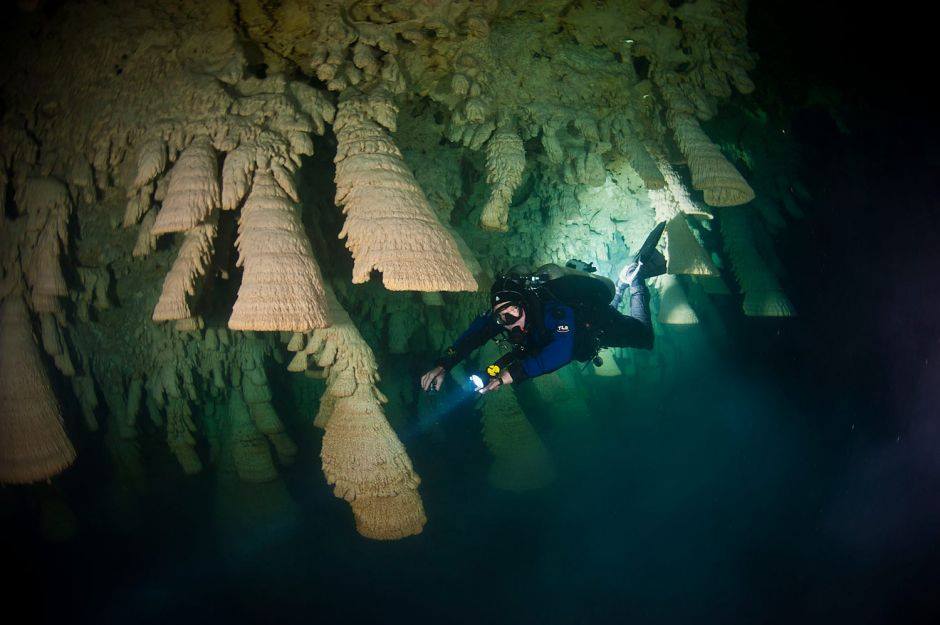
(574, 285)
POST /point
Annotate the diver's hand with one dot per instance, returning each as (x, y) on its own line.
(630, 273)
(433, 379)
(495, 383)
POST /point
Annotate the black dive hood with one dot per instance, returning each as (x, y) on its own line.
(508, 288)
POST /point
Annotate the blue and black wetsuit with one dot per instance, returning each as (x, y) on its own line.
(553, 336)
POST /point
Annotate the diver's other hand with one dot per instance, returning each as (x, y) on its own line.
(654, 265)
(630, 273)
(433, 379)
(495, 383)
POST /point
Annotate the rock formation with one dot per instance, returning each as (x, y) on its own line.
(164, 161)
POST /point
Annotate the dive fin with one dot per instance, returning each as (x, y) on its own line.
(651, 260)
(649, 246)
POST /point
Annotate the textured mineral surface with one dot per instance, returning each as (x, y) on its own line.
(200, 197)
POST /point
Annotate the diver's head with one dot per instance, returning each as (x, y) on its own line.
(508, 299)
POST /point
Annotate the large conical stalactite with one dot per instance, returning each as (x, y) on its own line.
(282, 288)
(193, 190)
(389, 224)
(674, 307)
(763, 295)
(362, 457)
(684, 254)
(33, 443)
(520, 460)
(720, 182)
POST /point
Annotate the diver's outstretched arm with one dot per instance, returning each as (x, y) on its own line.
(483, 328)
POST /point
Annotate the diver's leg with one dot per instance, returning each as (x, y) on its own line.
(633, 330)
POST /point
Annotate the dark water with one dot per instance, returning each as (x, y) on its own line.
(790, 477)
(754, 486)
(793, 476)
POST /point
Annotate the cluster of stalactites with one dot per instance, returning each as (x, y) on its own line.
(195, 371)
(33, 442)
(282, 286)
(390, 226)
(362, 457)
(686, 255)
(254, 426)
(34, 241)
(718, 37)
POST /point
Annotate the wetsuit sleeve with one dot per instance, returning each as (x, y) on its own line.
(556, 354)
(480, 331)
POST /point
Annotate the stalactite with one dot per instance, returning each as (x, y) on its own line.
(191, 262)
(193, 191)
(33, 443)
(282, 288)
(53, 342)
(47, 204)
(763, 296)
(362, 456)
(257, 395)
(684, 254)
(721, 183)
(389, 224)
(151, 116)
(505, 162)
(521, 461)
(249, 448)
(674, 308)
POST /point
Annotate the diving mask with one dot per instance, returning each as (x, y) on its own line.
(504, 317)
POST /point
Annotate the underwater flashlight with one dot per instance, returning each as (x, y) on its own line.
(477, 382)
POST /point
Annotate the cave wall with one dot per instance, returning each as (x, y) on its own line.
(202, 197)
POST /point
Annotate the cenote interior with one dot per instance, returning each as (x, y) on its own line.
(236, 234)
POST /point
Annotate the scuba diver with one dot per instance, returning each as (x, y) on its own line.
(558, 314)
